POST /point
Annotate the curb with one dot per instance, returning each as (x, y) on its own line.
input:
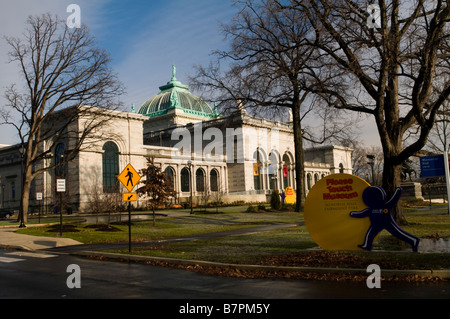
(443, 274)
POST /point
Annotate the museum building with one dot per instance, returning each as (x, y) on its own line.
(231, 158)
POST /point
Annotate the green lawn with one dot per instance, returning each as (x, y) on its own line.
(165, 227)
(235, 249)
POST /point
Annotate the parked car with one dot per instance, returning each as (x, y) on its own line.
(5, 213)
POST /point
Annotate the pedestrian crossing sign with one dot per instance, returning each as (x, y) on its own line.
(129, 177)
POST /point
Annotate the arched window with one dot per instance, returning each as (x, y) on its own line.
(214, 181)
(200, 180)
(286, 171)
(341, 168)
(257, 171)
(273, 169)
(110, 161)
(316, 178)
(272, 176)
(308, 181)
(185, 180)
(59, 157)
(169, 173)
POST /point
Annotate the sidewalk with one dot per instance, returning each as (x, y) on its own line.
(10, 239)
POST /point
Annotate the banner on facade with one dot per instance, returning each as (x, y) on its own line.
(255, 169)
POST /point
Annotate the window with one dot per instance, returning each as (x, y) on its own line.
(185, 180)
(213, 181)
(169, 173)
(272, 177)
(13, 190)
(59, 157)
(286, 171)
(257, 171)
(110, 167)
(273, 170)
(200, 180)
(341, 168)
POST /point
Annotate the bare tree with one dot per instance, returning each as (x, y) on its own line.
(367, 163)
(68, 88)
(156, 186)
(268, 73)
(384, 62)
(439, 140)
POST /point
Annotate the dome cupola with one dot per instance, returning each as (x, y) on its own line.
(175, 95)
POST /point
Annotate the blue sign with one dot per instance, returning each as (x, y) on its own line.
(432, 166)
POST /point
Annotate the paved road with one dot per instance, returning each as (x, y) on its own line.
(43, 275)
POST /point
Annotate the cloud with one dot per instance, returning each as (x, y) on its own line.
(144, 38)
(173, 33)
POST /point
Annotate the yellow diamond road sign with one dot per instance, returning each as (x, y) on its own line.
(129, 197)
(129, 177)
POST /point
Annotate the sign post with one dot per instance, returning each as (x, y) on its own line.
(39, 199)
(60, 188)
(129, 178)
(447, 178)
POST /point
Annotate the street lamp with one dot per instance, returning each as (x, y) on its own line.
(189, 163)
(22, 213)
(371, 162)
(3, 195)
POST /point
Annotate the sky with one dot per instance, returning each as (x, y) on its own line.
(143, 37)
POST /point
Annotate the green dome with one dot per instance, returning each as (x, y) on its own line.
(175, 95)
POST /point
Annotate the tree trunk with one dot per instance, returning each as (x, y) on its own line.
(25, 192)
(391, 181)
(25, 199)
(299, 160)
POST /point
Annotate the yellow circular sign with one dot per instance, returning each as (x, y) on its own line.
(290, 195)
(327, 212)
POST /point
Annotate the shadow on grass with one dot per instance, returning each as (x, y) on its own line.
(103, 227)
